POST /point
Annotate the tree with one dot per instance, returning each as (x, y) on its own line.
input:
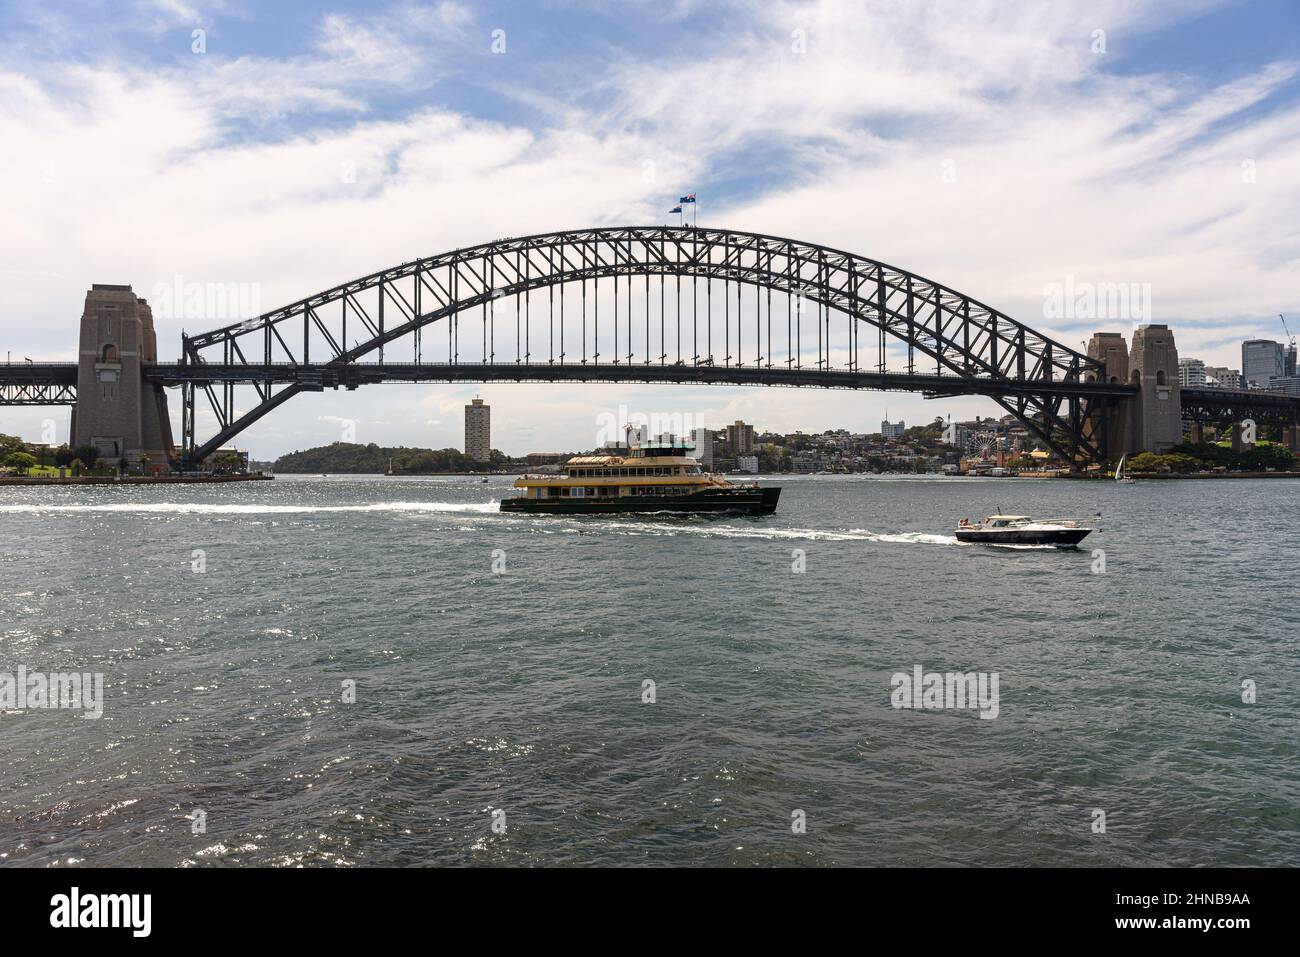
(1146, 462)
(144, 464)
(21, 462)
(88, 454)
(77, 466)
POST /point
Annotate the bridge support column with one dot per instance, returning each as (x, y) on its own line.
(1291, 437)
(1239, 443)
(117, 410)
(1157, 419)
(1198, 433)
(1111, 420)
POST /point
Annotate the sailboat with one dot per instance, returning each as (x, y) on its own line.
(1119, 472)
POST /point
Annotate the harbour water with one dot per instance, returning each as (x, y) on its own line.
(501, 666)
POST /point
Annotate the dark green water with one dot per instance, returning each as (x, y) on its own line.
(522, 691)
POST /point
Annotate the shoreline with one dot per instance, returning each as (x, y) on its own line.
(1167, 476)
(136, 480)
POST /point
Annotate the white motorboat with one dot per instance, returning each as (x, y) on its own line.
(1022, 530)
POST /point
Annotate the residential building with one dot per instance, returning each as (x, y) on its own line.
(740, 439)
(478, 431)
(1191, 372)
(892, 430)
(1223, 377)
(703, 439)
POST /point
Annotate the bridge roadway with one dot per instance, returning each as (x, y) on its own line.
(55, 383)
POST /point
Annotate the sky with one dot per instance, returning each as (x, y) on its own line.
(1003, 148)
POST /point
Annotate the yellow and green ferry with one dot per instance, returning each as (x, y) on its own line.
(656, 477)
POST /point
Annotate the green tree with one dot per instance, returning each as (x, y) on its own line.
(88, 454)
(21, 462)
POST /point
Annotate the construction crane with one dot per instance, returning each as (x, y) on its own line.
(1290, 338)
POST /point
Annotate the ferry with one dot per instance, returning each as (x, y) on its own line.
(1022, 530)
(654, 477)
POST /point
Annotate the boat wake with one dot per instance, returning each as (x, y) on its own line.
(211, 508)
(702, 527)
(712, 529)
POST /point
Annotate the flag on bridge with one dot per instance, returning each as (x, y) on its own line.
(688, 198)
(675, 209)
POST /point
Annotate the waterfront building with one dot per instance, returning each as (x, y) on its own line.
(478, 431)
(747, 463)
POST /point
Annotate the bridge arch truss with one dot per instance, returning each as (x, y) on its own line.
(646, 303)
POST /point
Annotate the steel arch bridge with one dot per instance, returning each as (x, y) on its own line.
(646, 304)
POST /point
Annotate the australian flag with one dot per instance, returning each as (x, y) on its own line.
(688, 198)
(675, 209)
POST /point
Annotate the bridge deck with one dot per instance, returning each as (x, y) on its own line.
(357, 374)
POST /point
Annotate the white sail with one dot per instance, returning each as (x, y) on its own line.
(1119, 469)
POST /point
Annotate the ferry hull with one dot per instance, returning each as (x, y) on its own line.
(744, 501)
(1063, 537)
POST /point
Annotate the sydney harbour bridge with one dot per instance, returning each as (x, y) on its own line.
(644, 304)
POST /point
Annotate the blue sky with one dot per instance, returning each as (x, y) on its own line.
(990, 145)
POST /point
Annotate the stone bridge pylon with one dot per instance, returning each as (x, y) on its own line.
(118, 411)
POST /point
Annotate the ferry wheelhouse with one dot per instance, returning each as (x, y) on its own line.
(655, 477)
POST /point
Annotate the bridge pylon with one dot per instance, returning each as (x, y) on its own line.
(118, 410)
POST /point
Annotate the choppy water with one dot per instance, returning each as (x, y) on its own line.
(522, 692)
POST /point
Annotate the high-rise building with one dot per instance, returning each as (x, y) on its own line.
(892, 430)
(1288, 361)
(1223, 377)
(740, 439)
(703, 439)
(478, 431)
(1261, 360)
(1191, 372)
